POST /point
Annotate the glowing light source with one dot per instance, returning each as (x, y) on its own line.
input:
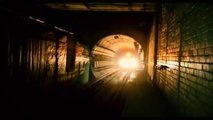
(128, 54)
(128, 63)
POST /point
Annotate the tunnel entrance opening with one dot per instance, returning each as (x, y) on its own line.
(116, 52)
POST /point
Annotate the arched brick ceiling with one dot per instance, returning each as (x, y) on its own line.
(115, 43)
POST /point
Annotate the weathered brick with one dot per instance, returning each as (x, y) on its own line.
(201, 51)
(202, 59)
(182, 80)
(210, 85)
(182, 64)
(208, 51)
(186, 64)
(201, 73)
(202, 46)
(188, 81)
(205, 83)
(182, 74)
(196, 59)
(188, 70)
(199, 83)
(196, 56)
(209, 44)
(186, 59)
(208, 75)
(199, 66)
(206, 67)
(191, 71)
(182, 69)
(194, 52)
(192, 78)
(196, 72)
(197, 46)
(191, 65)
(191, 59)
(190, 53)
(211, 68)
(208, 59)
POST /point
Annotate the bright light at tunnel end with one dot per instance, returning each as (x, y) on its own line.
(128, 63)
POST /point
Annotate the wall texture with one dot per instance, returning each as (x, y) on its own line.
(185, 44)
(151, 51)
(36, 53)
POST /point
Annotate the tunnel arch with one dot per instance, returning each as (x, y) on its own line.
(105, 53)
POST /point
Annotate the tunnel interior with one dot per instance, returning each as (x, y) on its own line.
(63, 59)
(107, 52)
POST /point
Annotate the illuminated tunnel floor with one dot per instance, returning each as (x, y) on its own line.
(142, 100)
(136, 99)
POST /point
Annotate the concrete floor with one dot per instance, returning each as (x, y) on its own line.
(137, 99)
(143, 100)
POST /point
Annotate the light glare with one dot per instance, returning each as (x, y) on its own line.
(129, 63)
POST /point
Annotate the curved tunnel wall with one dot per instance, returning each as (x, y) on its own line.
(139, 34)
(106, 52)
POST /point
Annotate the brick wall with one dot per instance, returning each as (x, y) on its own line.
(185, 44)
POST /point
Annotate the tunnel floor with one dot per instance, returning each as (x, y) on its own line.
(143, 100)
(136, 99)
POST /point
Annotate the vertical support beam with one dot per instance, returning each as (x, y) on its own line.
(156, 22)
(92, 64)
(70, 62)
(32, 60)
(55, 75)
(79, 71)
(40, 61)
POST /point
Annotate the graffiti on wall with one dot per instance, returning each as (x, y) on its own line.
(51, 58)
(62, 53)
(51, 55)
(81, 50)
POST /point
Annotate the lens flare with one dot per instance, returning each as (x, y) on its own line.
(128, 63)
(128, 54)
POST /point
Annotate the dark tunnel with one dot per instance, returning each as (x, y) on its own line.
(125, 59)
